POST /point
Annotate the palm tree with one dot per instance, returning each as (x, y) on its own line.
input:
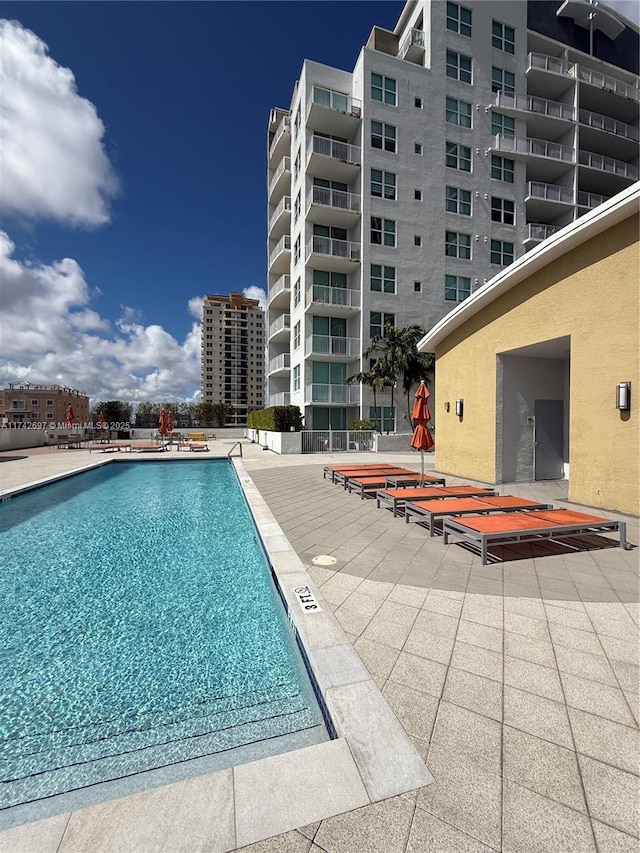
(375, 378)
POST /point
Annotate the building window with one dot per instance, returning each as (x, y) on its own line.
(296, 207)
(296, 293)
(383, 278)
(458, 201)
(503, 37)
(417, 287)
(383, 136)
(502, 210)
(378, 323)
(296, 335)
(458, 66)
(34, 402)
(296, 250)
(296, 122)
(296, 378)
(417, 240)
(501, 252)
(456, 288)
(417, 148)
(49, 402)
(383, 417)
(506, 125)
(458, 245)
(383, 231)
(459, 19)
(502, 168)
(503, 81)
(458, 112)
(383, 89)
(296, 166)
(383, 184)
(417, 103)
(330, 98)
(417, 194)
(50, 416)
(458, 157)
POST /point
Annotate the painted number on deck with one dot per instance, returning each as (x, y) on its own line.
(306, 599)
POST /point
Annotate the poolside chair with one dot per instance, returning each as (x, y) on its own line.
(535, 526)
(151, 448)
(430, 511)
(405, 481)
(332, 470)
(396, 499)
(365, 484)
(198, 447)
(344, 474)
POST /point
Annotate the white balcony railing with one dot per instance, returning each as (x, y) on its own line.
(414, 38)
(332, 345)
(334, 100)
(280, 362)
(337, 394)
(338, 296)
(535, 147)
(544, 62)
(337, 199)
(342, 151)
(283, 245)
(538, 231)
(283, 166)
(281, 399)
(281, 285)
(280, 324)
(532, 104)
(608, 124)
(283, 205)
(591, 200)
(335, 248)
(604, 81)
(550, 192)
(608, 164)
(283, 127)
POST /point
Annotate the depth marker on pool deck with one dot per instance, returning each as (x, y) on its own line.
(307, 600)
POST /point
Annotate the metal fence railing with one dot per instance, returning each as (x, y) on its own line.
(335, 440)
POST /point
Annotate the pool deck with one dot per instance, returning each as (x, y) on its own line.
(517, 683)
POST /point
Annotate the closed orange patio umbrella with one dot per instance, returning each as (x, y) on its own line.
(170, 422)
(69, 417)
(163, 423)
(421, 439)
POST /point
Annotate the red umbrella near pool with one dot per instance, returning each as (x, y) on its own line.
(421, 439)
(162, 420)
(69, 417)
(100, 420)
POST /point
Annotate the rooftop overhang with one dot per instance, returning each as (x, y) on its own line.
(570, 237)
(594, 15)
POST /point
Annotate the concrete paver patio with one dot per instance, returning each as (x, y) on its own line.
(517, 682)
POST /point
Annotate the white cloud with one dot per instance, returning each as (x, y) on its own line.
(255, 292)
(50, 333)
(54, 164)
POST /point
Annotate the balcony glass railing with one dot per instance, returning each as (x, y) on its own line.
(532, 104)
(332, 345)
(283, 166)
(342, 151)
(334, 100)
(283, 205)
(591, 200)
(280, 362)
(608, 124)
(608, 164)
(338, 199)
(535, 147)
(536, 231)
(281, 285)
(604, 81)
(280, 324)
(281, 399)
(414, 38)
(550, 192)
(283, 245)
(544, 62)
(339, 394)
(339, 296)
(335, 248)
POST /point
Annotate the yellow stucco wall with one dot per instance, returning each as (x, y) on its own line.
(591, 295)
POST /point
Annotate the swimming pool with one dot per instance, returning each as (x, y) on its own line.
(141, 629)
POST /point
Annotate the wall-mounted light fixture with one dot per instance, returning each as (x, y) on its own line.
(447, 406)
(459, 408)
(623, 396)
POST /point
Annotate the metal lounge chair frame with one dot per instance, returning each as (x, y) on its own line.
(405, 481)
(431, 511)
(395, 499)
(340, 473)
(366, 483)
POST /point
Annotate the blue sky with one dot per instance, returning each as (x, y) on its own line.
(134, 175)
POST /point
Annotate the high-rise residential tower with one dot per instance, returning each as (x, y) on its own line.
(232, 360)
(459, 141)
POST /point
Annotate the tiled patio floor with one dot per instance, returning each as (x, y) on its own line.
(517, 682)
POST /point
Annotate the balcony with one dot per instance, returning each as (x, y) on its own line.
(608, 125)
(542, 115)
(607, 135)
(281, 142)
(333, 112)
(280, 182)
(280, 329)
(343, 301)
(333, 160)
(280, 219)
(412, 46)
(591, 200)
(281, 399)
(546, 201)
(331, 345)
(535, 232)
(604, 175)
(609, 84)
(333, 207)
(280, 365)
(331, 395)
(546, 161)
(333, 255)
(280, 256)
(280, 292)
(549, 75)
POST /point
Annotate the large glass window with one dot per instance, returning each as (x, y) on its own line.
(296, 335)
(501, 252)
(458, 156)
(383, 136)
(456, 287)
(378, 322)
(458, 245)
(383, 184)
(383, 278)
(458, 112)
(502, 80)
(296, 377)
(502, 168)
(383, 417)
(502, 210)
(329, 98)
(383, 231)
(383, 89)
(459, 66)
(503, 37)
(296, 293)
(506, 125)
(458, 201)
(459, 19)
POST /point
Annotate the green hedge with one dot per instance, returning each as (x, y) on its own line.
(276, 419)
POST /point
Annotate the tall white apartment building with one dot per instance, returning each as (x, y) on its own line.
(232, 354)
(459, 141)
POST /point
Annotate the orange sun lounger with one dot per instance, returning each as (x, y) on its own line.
(404, 481)
(368, 473)
(338, 473)
(396, 498)
(431, 511)
(516, 527)
(365, 483)
(329, 469)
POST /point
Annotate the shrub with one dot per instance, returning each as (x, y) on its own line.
(363, 424)
(276, 419)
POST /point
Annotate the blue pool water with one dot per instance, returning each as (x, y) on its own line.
(140, 628)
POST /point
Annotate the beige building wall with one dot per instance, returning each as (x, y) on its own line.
(590, 295)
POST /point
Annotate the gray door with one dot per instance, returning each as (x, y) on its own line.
(549, 440)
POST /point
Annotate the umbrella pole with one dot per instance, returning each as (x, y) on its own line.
(422, 467)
